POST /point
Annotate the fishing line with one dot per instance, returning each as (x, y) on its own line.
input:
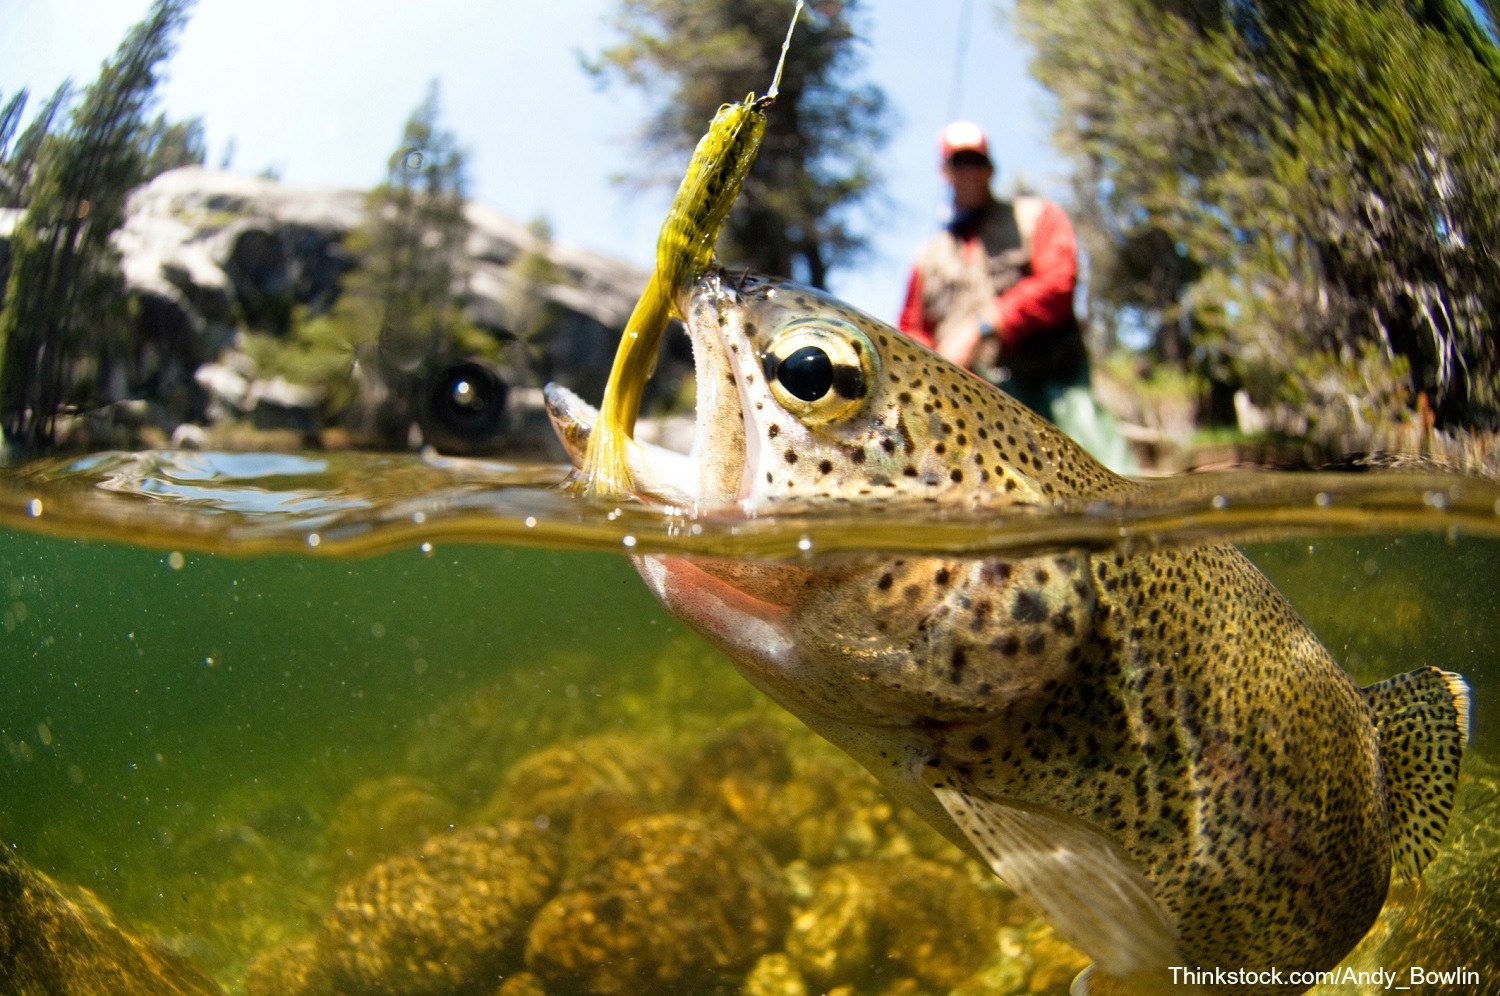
(960, 56)
(786, 44)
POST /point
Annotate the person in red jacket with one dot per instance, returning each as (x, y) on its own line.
(993, 292)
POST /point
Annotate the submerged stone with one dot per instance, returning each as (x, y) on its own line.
(546, 787)
(51, 942)
(383, 816)
(448, 917)
(774, 975)
(903, 917)
(675, 906)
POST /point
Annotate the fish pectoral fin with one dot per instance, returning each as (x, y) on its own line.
(1423, 720)
(1083, 883)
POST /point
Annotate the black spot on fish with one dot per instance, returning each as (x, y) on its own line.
(956, 662)
(791, 456)
(825, 466)
(1028, 608)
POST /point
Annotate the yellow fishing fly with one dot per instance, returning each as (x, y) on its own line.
(684, 251)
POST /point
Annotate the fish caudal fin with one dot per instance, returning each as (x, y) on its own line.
(1086, 887)
(1423, 721)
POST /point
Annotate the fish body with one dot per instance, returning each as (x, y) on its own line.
(1151, 748)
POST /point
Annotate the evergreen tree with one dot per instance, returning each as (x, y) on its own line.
(401, 307)
(65, 301)
(170, 144)
(18, 161)
(412, 250)
(817, 160)
(1295, 197)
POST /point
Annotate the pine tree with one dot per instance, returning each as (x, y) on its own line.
(817, 160)
(400, 310)
(65, 300)
(1295, 196)
(18, 159)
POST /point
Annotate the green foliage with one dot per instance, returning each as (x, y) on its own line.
(18, 158)
(817, 160)
(170, 144)
(317, 353)
(65, 304)
(399, 313)
(411, 250)
(531, 317)
(1275, 188)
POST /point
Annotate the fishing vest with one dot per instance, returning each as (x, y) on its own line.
(957, 286)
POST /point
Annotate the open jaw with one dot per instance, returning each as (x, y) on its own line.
(715, 471)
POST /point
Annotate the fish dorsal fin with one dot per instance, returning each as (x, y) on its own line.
(1087, 888)
(1423, 720)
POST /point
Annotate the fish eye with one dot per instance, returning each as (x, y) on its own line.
(807, 373)
(820, 370)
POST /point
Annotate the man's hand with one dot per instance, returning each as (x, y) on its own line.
(961, 346)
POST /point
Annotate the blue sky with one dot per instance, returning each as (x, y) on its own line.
(319, 89)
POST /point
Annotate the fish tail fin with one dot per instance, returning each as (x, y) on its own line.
(1423, 721)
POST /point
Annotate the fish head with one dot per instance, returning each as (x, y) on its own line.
(804, 401)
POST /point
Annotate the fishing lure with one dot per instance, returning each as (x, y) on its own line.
(684, 251)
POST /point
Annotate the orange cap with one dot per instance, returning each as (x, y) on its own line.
(963, 136)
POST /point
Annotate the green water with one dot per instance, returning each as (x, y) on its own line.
(194, 694)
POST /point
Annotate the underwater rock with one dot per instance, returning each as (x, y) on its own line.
(466, 743)
(382, 816)
(676, 905)
(445, 917)
(838, 813)
(742, 773)
(591, 832)
(774, 975)
(290, 970)
(1054, 962)
(909, 916)
(521, 984)
(750, 750)
(832, 940)
(545, 787)
(52, 943)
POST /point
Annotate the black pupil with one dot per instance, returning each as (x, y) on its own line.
(806, 374)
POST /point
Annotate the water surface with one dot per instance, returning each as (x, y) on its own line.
(232, 682)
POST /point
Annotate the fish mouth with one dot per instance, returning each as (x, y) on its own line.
(715, 472)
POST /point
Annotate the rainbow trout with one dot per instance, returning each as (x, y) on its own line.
(1150, 748)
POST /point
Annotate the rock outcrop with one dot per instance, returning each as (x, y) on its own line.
(209, 254)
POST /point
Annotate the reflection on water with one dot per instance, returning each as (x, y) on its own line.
(243, 742)
(351, 503)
